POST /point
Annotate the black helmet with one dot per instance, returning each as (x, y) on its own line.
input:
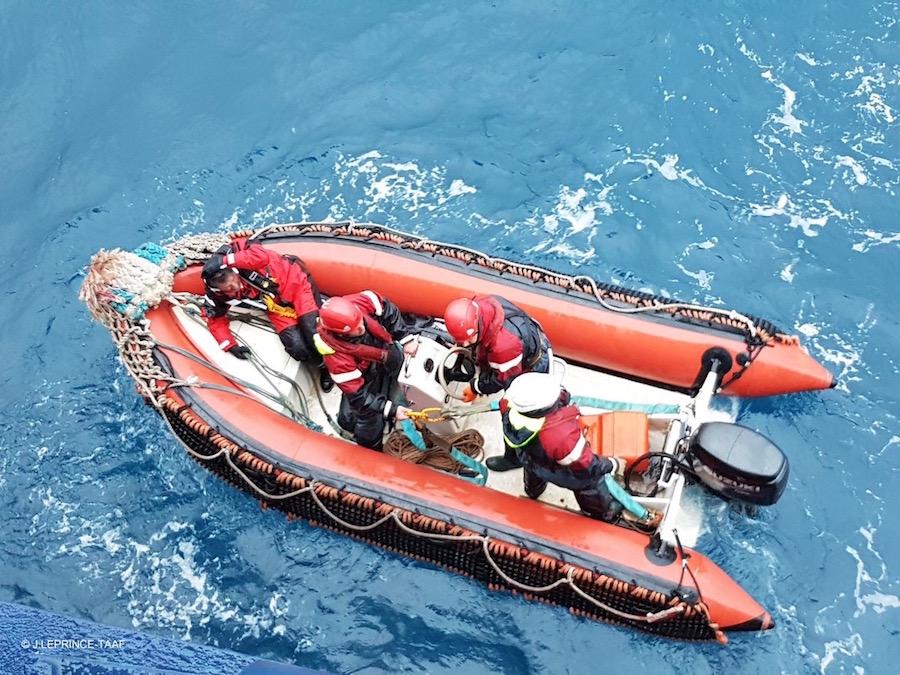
(215, 270)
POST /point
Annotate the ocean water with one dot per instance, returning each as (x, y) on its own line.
(736, 153)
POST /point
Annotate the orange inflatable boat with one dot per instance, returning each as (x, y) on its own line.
(646, 372)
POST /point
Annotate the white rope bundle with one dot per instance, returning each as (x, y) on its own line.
(197, 248)
(118, 270)
(120, 286)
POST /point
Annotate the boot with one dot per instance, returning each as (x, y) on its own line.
(501, 463)
(325, 381)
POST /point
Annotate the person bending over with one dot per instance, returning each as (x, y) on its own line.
(541, 433)
(358, 339)
(245, 273)
(505, 342)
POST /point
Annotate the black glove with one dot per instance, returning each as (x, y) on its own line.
(462, 371)
(215, 263)
(241, 352)
(394, 358)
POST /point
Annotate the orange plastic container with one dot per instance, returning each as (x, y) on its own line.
(622, 433)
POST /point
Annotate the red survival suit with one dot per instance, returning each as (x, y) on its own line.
(552, 448)
(279, 285)
(366, 367)
(510, 343)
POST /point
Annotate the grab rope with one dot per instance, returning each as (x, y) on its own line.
(756, 331)
(493, 549)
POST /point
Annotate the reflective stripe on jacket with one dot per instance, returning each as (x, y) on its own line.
(553, 447)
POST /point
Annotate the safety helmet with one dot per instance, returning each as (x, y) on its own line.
(339, 315)
(532, 393)
(461, 318)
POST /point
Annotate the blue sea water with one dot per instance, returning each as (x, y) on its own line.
(736, 153)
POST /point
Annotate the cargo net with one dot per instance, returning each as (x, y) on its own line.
(757, 332)
(120, 287)
(498, 564)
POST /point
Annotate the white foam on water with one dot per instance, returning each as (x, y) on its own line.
(870, 89)
(231, 222)
(807, 329)
(573, 253)
(786, 207)
(167, 586)
(807, 224)
(667, 169)
(787, 273)
(184, 559)
(703, 278)
(279, 605)
(110, 543)
(53, 507)
(578, 209)
(458, 187)
(786, 118)
(845, 356)
(894, 440)
(361, 187)
(858, 173)
(850, 646)
(876, 599)
(877, 107)
(875, 239)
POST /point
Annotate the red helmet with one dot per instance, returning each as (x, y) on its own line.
(339, 315)
(461, 318)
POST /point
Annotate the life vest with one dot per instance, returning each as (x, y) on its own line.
(517, 322)
(550, 449)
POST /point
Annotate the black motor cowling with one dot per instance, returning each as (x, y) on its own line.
(739, 463)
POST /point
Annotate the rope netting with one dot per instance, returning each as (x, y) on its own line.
(120, 287)
(503, 565)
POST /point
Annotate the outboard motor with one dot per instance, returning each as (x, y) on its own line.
(739, 463)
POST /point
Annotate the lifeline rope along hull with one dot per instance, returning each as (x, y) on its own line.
(546, 553)
(616, 329)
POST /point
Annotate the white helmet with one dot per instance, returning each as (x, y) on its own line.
(531, 392)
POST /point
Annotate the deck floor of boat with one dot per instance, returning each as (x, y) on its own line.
(289, 385)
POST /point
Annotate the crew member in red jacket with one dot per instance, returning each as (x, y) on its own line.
(244, 273)
(358, 338)
(542, 433)
(506, 341)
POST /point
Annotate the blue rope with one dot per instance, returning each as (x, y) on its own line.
(624, 498)
(127, 304)
(156, 254)
(649, 408)
(413, 434)
(472, 464)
